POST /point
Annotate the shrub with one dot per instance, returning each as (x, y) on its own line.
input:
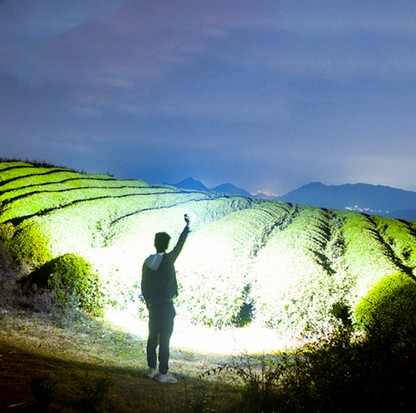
(389, 308)
(313, 378)
(6, 231)
(69, 275)
(27, 243)
(340, 372)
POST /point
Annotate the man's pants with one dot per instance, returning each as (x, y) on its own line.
(160, 330)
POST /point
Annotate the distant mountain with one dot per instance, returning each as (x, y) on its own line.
(190, 183)
(407, 214)
(372, 199)
(231, 189)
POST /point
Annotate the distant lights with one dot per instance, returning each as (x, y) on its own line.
(358, 209)
(259, 191)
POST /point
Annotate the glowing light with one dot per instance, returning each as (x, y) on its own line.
(253, 339)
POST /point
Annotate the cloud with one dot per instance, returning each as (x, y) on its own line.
(114, 41)
(29, 21)
(265, 92)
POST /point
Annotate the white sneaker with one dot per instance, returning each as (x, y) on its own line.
(151, 373)
(166, 378)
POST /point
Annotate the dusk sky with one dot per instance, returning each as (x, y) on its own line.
(266, 94)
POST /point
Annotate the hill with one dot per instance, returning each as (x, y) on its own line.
(406, 214)
(281, 264)
(190, 183)
(231, 189)
(372, 199)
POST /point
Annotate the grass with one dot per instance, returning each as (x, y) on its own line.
(77, 359)
(66, 362)
(63, 361)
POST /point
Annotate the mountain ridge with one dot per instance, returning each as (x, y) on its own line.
(228, 188)
(368, 198)
(374, 199)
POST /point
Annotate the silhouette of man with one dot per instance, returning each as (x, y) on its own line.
(159, 288)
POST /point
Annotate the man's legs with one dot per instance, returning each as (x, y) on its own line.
(160, 331)
(152, 341)
(164, 337)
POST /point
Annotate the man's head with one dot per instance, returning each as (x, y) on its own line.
(162, 241)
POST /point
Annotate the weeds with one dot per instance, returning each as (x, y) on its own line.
(93, 391)
(341, 371)
(44, 389)
(90, 392)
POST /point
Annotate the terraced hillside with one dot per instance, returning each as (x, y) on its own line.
(283, 265)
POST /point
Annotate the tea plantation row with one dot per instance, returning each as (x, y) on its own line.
(283, 265)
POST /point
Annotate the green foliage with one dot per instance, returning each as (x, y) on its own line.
(7, 231)
(389, 308)
(217, 296)
(298, 260)
(399, 237)
(28, 243)
(246, 313)
(300, 271)
(366, 254)
(12, 163)
(337, 372)
(70, 275)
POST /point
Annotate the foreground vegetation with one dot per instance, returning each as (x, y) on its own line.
(63, 361)
(85, 366)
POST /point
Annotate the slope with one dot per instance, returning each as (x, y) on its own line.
(280, 264)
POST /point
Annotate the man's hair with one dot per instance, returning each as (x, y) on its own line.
(162, 241)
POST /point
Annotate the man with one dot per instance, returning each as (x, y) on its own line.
(159, 288)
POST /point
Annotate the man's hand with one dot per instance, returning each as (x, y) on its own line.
(187, 220)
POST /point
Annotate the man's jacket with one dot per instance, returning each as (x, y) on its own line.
(159, 283)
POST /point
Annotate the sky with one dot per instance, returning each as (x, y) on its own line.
(268, 95)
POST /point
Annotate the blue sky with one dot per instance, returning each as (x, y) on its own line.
(268, 95)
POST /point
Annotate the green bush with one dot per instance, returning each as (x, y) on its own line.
(7, 231)
(70, 275)
(389, 308)
(27, 243)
